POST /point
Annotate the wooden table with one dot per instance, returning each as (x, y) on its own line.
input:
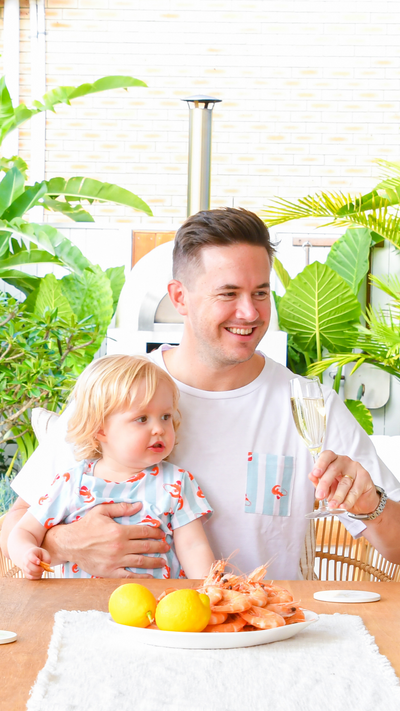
(28, 607)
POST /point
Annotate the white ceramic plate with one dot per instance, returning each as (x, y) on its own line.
(219, 640)
(6, 637)
(347, 596)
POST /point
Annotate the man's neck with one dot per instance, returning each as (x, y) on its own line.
(192, 371)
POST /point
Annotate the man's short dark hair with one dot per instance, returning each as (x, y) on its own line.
(217, 228)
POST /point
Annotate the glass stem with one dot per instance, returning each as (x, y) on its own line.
(322, 503)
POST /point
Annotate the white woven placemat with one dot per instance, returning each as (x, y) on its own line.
(333, 665)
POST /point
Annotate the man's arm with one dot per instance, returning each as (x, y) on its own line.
(98, 544)
(347, 485)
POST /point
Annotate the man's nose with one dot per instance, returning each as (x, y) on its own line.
(246, 310)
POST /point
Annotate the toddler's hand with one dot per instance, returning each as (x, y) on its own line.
(31, 567)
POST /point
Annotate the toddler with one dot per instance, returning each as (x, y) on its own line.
(123, 429)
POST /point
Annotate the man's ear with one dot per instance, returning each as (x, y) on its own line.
(177, 294)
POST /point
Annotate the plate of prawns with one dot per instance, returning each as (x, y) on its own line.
(246, 610)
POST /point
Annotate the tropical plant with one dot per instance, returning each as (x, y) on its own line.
(48, 339)
(41, 353)
(320, 309)
(377, 211)
(26, 243)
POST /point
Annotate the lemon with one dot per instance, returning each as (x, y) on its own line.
(183, 611)
(132, 604)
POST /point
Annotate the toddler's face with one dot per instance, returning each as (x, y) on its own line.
(141, 436)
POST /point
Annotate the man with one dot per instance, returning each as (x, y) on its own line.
(237, 435)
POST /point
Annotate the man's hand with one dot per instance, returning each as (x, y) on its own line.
(344, 483)
(104, 548)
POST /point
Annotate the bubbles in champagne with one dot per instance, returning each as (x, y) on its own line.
(310, 420)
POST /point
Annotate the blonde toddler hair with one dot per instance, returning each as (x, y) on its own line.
(109, 385)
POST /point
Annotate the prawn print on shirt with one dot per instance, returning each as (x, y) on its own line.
(171, 498)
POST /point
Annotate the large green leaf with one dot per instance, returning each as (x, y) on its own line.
(6, 107)
(349, 256)
(116, 276)
(281, 273)
(7, 163)
(75, 213)
(50, 239)
(11, 187)
(25, 201)
(19, 280)
(90, 294)
(11, 118)
(362, 415)
(49, 296)
(79, 188)
(319, 308)
(64, 94)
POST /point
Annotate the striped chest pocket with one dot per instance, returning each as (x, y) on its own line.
(269, 486)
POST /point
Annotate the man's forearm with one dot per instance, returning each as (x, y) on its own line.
(58, 542)
(384, 532)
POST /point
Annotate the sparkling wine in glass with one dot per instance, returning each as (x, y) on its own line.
(308, 409)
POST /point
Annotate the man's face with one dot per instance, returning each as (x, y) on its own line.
(227, 303)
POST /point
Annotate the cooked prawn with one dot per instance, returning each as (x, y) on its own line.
(258, 574)
(234, 624)
(298, 616)
(217, 618)
(262, 619)
(256, 594)
(277, 594)
(232, 601)
(214, 593)
(285, 609)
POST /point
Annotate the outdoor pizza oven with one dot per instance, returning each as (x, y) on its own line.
(145, 315)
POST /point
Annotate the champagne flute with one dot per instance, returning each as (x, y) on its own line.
(308, 409)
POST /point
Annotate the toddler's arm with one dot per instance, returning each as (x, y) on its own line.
(193, 549)
(24, 546)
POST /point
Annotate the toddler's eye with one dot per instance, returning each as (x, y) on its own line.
(141, 419)
(167, 416)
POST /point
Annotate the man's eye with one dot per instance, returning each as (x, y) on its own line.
(261, 294)
(228, 294)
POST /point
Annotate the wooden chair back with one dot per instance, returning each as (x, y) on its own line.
(339, 556)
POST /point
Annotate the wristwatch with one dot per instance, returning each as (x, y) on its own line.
(378, 510)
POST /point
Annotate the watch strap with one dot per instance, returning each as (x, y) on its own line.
(374, 514)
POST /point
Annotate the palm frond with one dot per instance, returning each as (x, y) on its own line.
(319, 205)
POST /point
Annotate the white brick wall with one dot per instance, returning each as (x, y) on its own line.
(310, 94)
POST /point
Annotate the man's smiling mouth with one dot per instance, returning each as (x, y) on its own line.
(240, 331)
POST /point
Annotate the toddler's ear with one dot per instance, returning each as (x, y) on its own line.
(101, 436)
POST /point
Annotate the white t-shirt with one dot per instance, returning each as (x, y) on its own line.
(244, 450)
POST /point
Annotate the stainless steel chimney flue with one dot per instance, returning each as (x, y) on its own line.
(199, 166)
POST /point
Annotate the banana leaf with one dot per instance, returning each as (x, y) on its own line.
(79, 188)
(10, 118)
(320, 309)
(49, 239)
(349, 257)
(19, 280)
(28, 199)
(75, 213)
(11, 187)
